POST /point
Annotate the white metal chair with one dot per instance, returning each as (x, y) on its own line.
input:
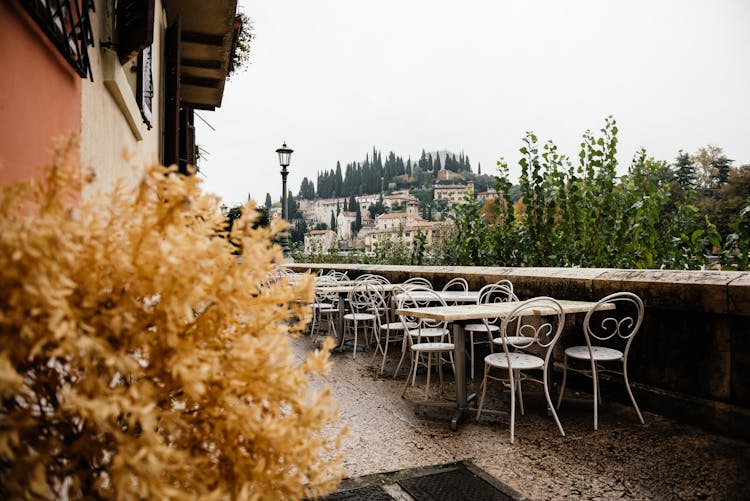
(430, 338)
(338, 275)
(324, 309)
(362, 312)
(540, 334)
(389, 329)
(419, 281)
(607, 327)
(456, 284)
(493, 293)
(370, 277)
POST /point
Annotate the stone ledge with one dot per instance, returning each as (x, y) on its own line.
(715, 292)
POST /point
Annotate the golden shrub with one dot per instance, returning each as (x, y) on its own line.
(139, 358)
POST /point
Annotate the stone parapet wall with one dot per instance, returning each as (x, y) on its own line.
(692, 358)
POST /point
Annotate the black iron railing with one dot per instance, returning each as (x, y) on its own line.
(67, 25)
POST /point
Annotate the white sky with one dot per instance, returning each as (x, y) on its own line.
(333, 78)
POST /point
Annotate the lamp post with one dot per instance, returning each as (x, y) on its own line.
(284, 155)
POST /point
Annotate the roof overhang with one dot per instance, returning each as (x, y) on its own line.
(208, 33)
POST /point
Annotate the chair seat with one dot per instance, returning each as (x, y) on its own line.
(359, 316)
(600, 353)
(432, 347)
(481, 328)
(517, 361)
(517, 341)
(429, 332)
(393, 326)
(323, 305)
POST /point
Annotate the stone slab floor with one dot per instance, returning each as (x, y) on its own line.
(662, 459)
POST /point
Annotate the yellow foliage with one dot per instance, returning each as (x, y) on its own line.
(141, 359)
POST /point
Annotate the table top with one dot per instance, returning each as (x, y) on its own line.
(495, 310)
(447, 296)
(346, 287)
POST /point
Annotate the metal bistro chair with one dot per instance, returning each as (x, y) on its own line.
(324, 309)
(362, 312)
(456, 284)
(427, 339)
(390, 329)
(418, 281)
(537, 335)
(500, 292)
(610, 327)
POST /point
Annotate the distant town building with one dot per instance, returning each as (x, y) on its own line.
(490, 194)
(319, 240)
(453, 193)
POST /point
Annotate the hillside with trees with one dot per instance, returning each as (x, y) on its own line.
(376, 173)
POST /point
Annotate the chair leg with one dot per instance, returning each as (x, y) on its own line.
(412, 367)
(597, 397)
(565, 377)
(355, 339)
(415, 363)
(385, 349)
(512, 408)
(520, 392)
(440, 371)
(632, 398)
(429, 370)
(404, 347)
(484, 390)
(549, 402)
(471, 353)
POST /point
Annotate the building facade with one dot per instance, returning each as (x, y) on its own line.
(125, 77)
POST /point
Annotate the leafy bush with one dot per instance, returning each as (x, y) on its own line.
(585, 215)
(141, 359)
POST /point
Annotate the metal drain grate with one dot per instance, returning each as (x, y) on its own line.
(459, 485)
(367, 493)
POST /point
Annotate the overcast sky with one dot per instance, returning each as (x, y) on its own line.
(336, 78)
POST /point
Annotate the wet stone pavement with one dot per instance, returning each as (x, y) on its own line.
(662, 459)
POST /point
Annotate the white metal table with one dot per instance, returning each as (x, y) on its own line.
(460, 314)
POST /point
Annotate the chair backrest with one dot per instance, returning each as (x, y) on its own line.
(370, 277)
(505, 283)
(621, 323)
(456, 284)
(419, 281)
(537, 322)
(496, 293)
(338, 275)
(425, 298)
(323, 296)
(380, 305)
(359, 297)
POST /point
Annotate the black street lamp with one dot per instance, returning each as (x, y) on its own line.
(284, 156)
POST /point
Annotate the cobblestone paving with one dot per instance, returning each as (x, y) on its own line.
(663, 459)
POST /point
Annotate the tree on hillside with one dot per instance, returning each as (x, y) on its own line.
(339, 182)
(721, 167)
(357, 218)
(333, 221)
(703, 160)
(684, 171)
(268, 203)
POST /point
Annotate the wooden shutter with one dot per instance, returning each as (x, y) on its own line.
(172, 94)
(134, 22)
(145, 85)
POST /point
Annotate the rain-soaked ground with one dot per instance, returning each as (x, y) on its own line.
(663, 459)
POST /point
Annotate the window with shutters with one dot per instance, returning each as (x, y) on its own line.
(134, 32)
(145, 85)
(67, 25)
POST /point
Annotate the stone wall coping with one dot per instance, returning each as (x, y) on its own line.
(710, 291)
